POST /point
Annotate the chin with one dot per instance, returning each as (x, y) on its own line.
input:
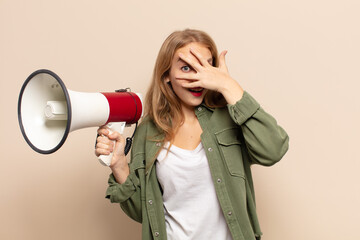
(195, 103)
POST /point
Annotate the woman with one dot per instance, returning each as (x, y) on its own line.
(189, 175)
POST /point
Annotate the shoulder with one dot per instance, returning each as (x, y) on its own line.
(146, 130)
(146, 125)
(146, 135)
(140, 138)
(141, 130)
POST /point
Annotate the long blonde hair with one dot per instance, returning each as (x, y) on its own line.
(161, 103)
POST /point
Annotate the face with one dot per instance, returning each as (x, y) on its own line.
(189, 97)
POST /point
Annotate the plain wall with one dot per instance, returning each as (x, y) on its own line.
(299, 59)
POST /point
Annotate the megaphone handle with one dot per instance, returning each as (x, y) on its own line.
(115, 126)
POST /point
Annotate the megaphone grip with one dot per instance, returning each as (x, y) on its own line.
(119, 127)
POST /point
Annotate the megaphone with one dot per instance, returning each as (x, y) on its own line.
(48, 111)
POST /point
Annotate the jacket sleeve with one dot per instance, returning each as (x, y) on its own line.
(129, 193)
(266, 141)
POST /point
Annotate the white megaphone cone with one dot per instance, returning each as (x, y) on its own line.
(48, 112)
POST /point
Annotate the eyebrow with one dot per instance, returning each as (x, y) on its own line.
(180, 60)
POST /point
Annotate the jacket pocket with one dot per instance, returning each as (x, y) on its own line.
(230, 147)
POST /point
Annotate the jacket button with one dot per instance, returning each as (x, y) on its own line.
(210, 149)
(157, 234)
(150, 202)
(229, 213)
(158, 144)
(219, 180)
(199, 109)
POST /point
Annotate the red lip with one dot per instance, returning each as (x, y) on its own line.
(197, 94)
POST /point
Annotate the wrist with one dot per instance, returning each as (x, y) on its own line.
(120, 165)
(120, 173)
(232, 91)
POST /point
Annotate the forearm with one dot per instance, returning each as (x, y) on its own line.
(267, 142)
(265, 139)
(128, 194)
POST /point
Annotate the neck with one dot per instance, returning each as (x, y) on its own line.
(189, 113)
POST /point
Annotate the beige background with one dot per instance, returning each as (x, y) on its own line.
(300, 59)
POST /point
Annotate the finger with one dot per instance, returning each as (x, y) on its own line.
(185, 83)
(104, 140)
(103, 131)
(194, 84)
(222, 63)
(101, 151)
(116, 136)
(194, 64)
(187, 76)
(105, 146)
(199, 57)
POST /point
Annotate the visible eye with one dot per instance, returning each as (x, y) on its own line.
(211, 62)
(185, 68)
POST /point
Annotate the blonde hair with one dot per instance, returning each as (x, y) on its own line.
(162, 105)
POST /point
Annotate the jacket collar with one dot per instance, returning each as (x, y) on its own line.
(207, 107)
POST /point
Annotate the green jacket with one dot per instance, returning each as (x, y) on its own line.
(234, 137)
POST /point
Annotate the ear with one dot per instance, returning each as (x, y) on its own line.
(167, 79)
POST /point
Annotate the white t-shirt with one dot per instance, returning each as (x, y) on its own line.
(192, 210)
